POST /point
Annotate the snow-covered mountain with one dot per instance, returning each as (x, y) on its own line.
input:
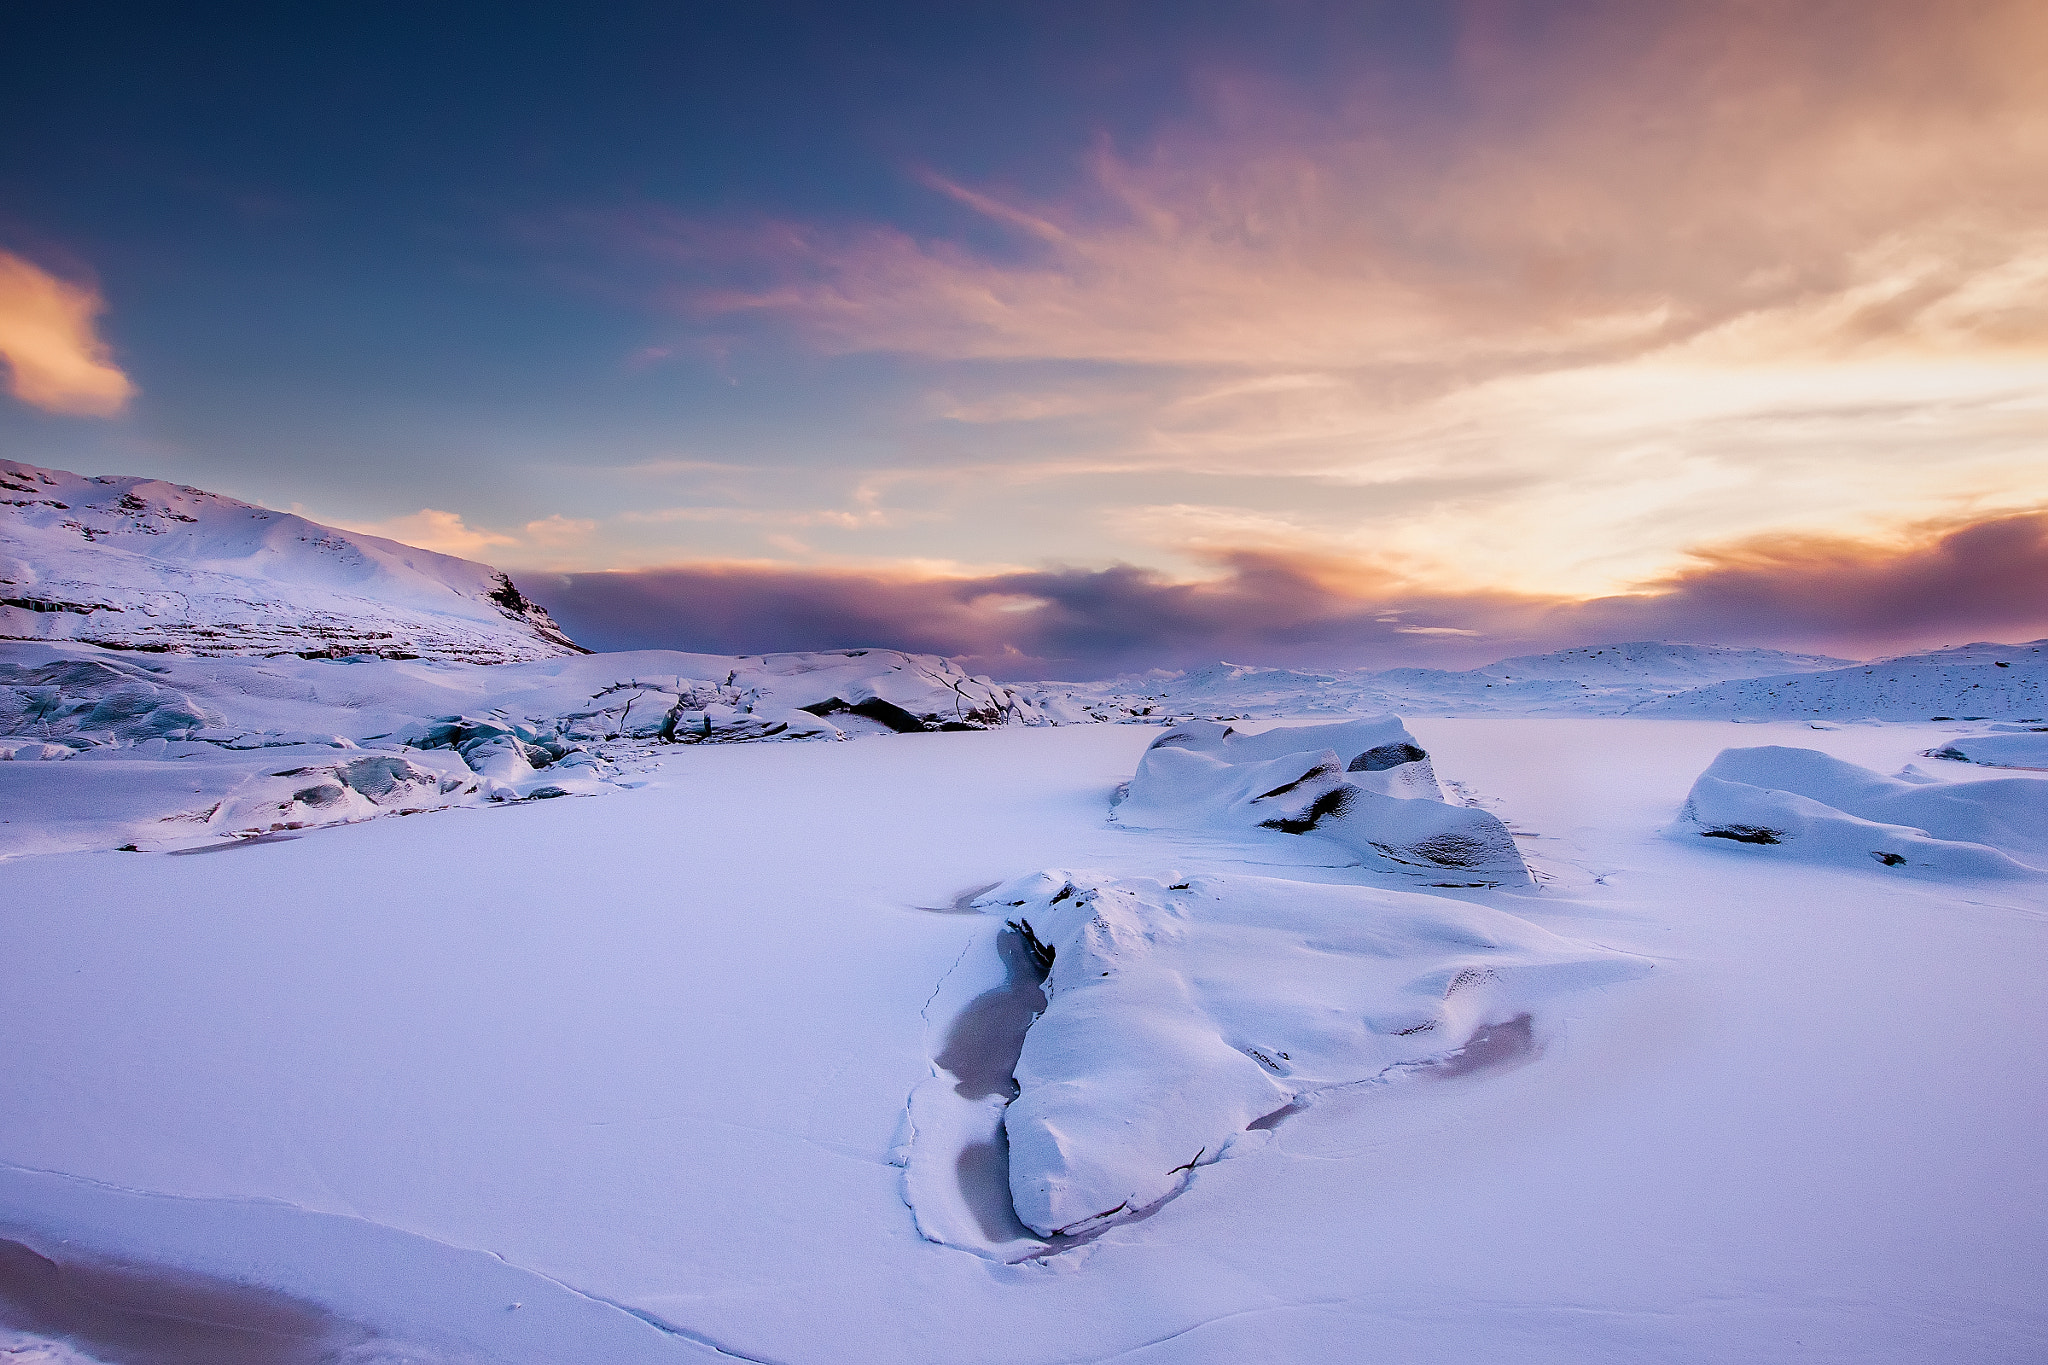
(1592, 681)
(133, 563)
(1968, 682)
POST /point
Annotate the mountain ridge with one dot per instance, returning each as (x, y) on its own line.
(126, 562)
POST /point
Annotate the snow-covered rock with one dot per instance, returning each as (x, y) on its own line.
(1365, 784)
(1182, 1011)
(336, 793)
(1812, 806)
(18, 749)
(2025, 750)
(141, 564)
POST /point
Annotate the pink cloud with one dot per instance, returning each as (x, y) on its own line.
(1987, 577)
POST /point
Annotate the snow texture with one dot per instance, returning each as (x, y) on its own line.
(625, 1080)
(1969, 682)
(1181, 1012)
(1805, 804)
(139, 564)
(1364, 784)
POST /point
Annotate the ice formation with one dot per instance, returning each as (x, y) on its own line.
(1180, 1012)
(1364, 784)
(207, 741)
(1814, 806)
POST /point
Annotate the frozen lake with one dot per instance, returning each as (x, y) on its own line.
(639, 1066)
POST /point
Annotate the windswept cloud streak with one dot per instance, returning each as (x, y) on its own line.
(1986, 578)
(55, 358)
(1618, 178)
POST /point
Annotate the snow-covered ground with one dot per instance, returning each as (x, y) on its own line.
(994, 1034)
(632, 1078)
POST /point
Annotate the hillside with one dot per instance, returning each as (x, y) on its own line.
(132, 563)
(1592, 681)
(1969, 682)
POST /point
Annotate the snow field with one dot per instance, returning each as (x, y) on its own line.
(655, 1053)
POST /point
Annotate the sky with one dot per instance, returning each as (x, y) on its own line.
(1069, 339)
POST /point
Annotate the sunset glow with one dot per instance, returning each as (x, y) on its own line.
(1478, 305)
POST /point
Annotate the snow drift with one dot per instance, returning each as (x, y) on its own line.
(2025, 750)
(1816, 807)
(135, 563)
(1365, 784)
(1181, 1012)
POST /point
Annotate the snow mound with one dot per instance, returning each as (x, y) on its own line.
(1819, 808)
(1364, 784)
(2027, 750)
(136, 563)
(1971, 682)
(1181, 1012)
(336, 793)
(16, 748)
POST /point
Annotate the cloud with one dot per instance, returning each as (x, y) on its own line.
(1636, 277)
(557, 532)
(1819, 180)
(55, 359)
(443, 532)
(1920, 586)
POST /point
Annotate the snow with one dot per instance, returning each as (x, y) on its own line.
(1596, 680)
(645, 1066)
(1977, 682)
(1179, 1013)
(1970, 682)
(2026, 750)
(216, 747)
(140, 564)
(1363, 784)
(1802, 803)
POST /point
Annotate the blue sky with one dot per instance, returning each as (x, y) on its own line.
(1455, 316)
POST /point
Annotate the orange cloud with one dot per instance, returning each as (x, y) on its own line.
(55, 359)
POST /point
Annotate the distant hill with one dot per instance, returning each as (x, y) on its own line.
(134, 563)
(1592, 681)
(1968, 682)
